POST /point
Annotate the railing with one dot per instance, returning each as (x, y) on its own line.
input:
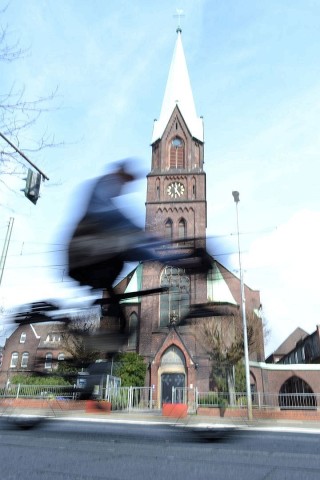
(260, 400)
(121, 398)
(131, 398)
(38, 391)
(185, 395)
(142, 398)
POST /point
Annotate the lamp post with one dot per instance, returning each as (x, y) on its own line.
(235, 195)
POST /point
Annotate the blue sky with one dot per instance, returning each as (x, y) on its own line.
(254, 71)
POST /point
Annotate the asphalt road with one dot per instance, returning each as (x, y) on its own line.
(86, 450)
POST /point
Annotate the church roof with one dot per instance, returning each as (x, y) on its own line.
(178, 92)
(291, 342)
(134, 285)
(217, 288)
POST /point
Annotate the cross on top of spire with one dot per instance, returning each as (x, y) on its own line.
(179, 14)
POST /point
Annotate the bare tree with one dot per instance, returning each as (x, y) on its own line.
(74, 339)
(222, 339)
(17, 111)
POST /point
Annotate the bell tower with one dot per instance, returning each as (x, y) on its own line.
(175, 207)
(176, 184)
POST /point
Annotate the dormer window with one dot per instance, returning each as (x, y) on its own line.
(53, 337)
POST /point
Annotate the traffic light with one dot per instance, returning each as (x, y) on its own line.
(32, 188)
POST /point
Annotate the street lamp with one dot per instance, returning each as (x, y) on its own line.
(235, 195)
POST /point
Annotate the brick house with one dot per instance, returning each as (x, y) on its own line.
(289, 345)
(293, 369)
(33, 347)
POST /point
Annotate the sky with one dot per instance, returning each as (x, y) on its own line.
(254, 69)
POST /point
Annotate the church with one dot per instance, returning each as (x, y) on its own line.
(176, 209)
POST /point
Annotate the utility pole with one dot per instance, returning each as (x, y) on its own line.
(244, 319)
(5, 248)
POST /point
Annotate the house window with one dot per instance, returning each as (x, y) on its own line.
(48, 362)
(60, 357)
(1, 359)
(23, 337)
(14, 359)
(174, 304)
(53, 337)
(24, 359)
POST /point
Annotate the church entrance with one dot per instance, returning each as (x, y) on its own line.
(171, 373)
(169, 380)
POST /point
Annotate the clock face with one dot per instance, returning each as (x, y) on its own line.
(175, 189)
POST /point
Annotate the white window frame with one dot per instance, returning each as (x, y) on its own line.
(24, 357)
(48, 360)
(23, 337)
(14, 360)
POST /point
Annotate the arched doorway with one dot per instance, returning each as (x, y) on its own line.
(295, 393)
(172, 373)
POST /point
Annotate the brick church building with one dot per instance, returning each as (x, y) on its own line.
(176, 208)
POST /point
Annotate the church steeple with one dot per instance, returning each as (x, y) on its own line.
(178, 93)
(176, 194)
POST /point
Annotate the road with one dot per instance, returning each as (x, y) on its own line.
(113, 451)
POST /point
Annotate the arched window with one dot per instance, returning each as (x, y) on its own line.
(196, 155)
(168, 229)
(158, 189)
(182, 228)
(14, 359)
(177, 153)
(133, 326)
(194, 190)
(61, 357)
(174, 304)
(24, 359)
(173, 356)
(296, 393)
(48, 362)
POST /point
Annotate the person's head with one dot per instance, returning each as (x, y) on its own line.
(125, 173)
(128, 169)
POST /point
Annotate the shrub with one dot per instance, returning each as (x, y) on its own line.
(38, 380)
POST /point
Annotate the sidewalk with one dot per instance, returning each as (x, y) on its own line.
(155, 417)
(193, 420)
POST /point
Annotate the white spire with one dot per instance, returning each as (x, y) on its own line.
(178, 92)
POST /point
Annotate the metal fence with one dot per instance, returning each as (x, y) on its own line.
(285, 401)
(131, 398)
(121, 398)
(143, 398)
(38, 391)
(187, 396)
